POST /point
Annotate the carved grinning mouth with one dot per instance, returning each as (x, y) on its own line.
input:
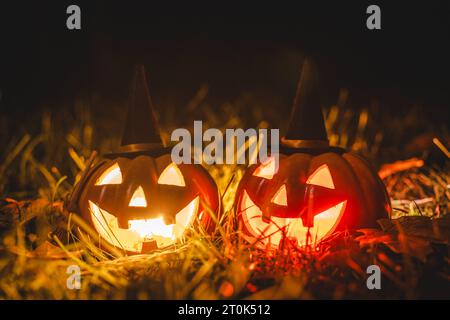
(273, 231)
(142, 230)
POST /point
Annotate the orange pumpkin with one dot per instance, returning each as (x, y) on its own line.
(311, 193)
(316, 189)
(147, 202)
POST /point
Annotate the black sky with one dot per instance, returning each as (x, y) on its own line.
(232, 47)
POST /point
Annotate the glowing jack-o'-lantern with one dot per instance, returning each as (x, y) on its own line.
(139, 200)
(146, 202)
(315, 190)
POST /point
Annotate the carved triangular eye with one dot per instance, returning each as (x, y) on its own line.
(138, 198)
(321, 177)
(172, 176)
(280, 197)
(112, 175)
(266, 170)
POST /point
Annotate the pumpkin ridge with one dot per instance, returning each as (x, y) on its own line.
(379, 191)
(365, 210)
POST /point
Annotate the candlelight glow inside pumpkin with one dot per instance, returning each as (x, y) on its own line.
(141, 230)
(129, 205)
(271, 230)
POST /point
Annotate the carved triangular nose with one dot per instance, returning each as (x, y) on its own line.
(318, 199)
(138, 198)
(310, 200)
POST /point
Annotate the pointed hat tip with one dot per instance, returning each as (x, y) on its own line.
(306, 125)
(141, 128)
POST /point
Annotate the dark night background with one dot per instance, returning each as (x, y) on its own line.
(231, 47)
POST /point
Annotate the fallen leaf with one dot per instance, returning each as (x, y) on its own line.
(397, 166)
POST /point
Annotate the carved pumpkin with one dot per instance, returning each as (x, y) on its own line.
(316, 189)
(139, 200)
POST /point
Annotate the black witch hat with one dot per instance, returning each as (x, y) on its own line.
(306, 128)
(141, 134)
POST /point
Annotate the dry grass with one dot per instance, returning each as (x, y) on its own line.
(39, 240)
